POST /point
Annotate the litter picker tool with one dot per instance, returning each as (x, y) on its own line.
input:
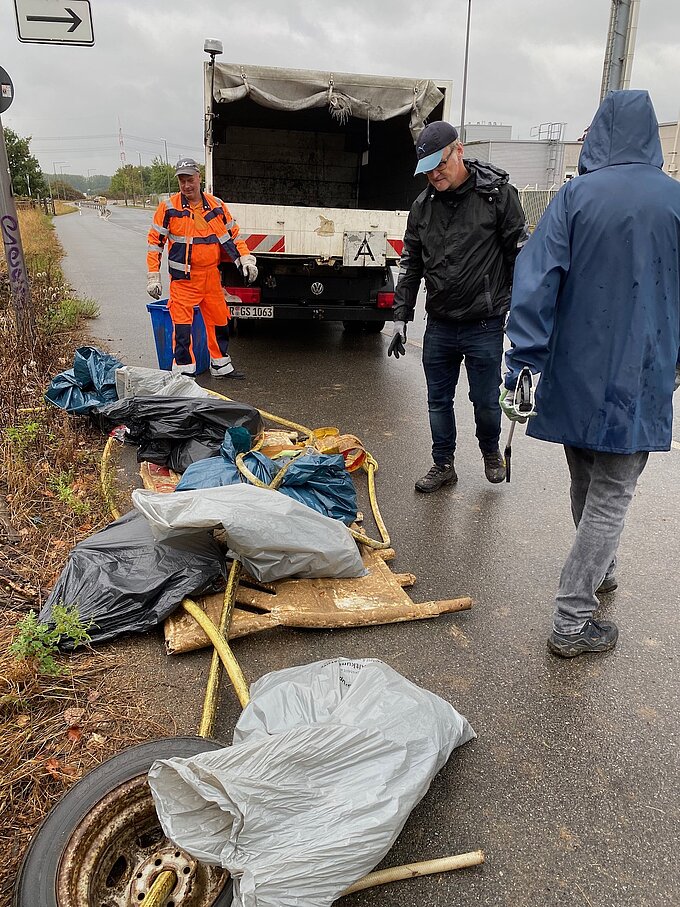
(523, 405)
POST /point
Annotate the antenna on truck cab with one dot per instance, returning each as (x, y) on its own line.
(213, 47)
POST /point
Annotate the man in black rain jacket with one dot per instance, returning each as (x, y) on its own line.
(463, 235)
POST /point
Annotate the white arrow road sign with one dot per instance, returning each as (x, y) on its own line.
(54, 22)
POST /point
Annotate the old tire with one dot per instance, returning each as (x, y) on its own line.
(40, 878)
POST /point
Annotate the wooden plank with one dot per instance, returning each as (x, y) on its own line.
(377, 598)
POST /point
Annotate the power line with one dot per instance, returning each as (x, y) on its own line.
(63, 138)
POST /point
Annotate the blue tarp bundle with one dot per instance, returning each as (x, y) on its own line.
(91, 382)
(318, 480)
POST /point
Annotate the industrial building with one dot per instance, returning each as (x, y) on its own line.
(547, 163)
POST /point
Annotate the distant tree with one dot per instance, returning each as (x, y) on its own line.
(163, 179)
(131, 182)
(63, 189)
(27, 178)
(97, 184)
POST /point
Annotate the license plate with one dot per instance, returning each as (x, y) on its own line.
(252, 311)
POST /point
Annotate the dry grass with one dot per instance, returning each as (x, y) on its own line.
(64, 207)
(50, 499)
(53, 730)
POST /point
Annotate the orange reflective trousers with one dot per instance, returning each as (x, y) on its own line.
(204, 290)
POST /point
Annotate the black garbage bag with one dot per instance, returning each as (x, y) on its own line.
(91, 382)
(124, 581)
(177, 431)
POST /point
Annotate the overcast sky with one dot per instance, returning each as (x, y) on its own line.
(531, 62)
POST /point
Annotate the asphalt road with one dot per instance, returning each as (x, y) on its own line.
(572, 785)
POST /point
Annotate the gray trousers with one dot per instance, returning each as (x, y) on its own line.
(602, 486)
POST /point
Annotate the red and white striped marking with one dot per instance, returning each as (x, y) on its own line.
(397, 245)
(264, 242)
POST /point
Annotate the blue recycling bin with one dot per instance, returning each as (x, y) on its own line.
(161, 322)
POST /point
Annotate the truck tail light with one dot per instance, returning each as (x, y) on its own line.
(247, 295)
(385, 300)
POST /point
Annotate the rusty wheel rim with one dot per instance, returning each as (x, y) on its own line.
(117, 851)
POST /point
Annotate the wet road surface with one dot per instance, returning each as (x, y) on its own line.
(572, 786)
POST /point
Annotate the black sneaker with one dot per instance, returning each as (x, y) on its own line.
(608, 584)
(494, 466)
(436, 477)
(595, 636)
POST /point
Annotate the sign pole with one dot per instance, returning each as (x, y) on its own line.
(14, 253)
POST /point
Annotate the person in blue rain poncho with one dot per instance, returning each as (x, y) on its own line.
(596, 311)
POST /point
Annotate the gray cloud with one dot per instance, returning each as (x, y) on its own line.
(531, 61)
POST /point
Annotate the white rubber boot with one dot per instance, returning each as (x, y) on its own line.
(189, 369)
(222, 368)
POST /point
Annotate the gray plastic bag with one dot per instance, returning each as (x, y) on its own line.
(273, 536)
(327, 763)
(136, 381)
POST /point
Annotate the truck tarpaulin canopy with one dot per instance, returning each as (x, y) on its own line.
(366, 97)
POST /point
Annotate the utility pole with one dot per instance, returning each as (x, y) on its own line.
(213, 48)
(63, 181)
(14, 253)
(465, 73)
(167, 164)
(141, 180)
(54, 167)
(618, 55)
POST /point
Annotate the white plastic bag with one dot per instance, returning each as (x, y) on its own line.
(273, 536)
(328, 761)
(135, 381)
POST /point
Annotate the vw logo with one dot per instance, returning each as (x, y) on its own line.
(317, 288)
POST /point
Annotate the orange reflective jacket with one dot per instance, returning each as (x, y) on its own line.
(196, 234)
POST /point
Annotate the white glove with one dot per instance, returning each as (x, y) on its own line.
(677, 377)
(249, 268)
(153, 284)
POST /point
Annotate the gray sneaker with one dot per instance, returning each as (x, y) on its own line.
(593, 637)
(436, 477)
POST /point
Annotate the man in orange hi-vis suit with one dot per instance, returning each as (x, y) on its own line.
(200, 232)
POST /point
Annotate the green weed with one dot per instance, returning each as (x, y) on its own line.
(61, 484)
(39, 643)
(66, 314)
(23, 435)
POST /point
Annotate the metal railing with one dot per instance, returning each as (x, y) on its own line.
(47, 204)
(534, 201)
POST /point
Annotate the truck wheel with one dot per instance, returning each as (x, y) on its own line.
(102, 844)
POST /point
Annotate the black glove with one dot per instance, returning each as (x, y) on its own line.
(396, 347)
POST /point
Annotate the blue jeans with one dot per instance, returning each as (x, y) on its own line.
(445, 345)
(602, 487)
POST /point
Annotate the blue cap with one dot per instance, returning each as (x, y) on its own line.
(431, 144)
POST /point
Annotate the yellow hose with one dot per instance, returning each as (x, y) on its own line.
(232, 666)
(205, 728)
(414, 870)
(105, 479)
(161, 889)
(272, 418)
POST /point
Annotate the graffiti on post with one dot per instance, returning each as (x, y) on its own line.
(16, 268)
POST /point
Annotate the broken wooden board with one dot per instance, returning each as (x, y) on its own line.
(377, 598)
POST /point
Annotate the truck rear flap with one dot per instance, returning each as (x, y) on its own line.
(312, 139)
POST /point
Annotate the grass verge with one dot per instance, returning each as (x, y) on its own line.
(58, 716)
